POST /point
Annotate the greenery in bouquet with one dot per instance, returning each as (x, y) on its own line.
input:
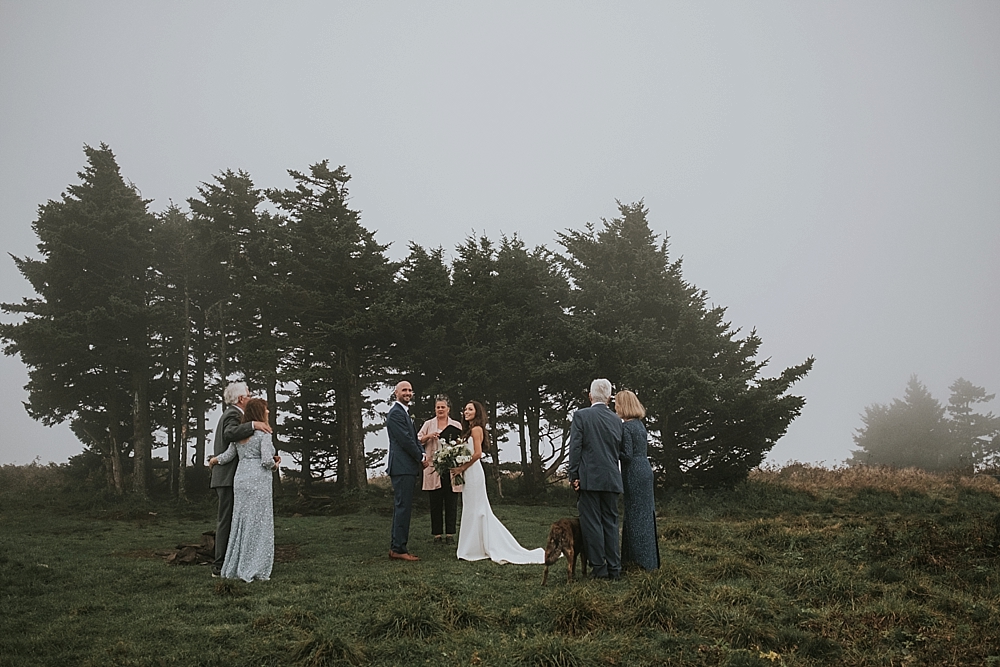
(451, 454)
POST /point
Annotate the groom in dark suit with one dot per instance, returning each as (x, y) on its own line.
(229, 430)
(405, 464)
(595, 444)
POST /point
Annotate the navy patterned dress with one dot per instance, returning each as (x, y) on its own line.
(639, 544)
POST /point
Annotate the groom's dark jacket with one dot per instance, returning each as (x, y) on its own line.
(229, 430)
(405, 452)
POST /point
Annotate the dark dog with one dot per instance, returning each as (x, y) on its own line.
(565, 538)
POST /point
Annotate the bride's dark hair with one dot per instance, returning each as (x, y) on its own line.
(254, 410)
(478, 420)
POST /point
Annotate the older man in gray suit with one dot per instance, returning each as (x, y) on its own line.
(230, 429)
(595, 443)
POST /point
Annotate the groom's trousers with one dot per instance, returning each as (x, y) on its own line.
(599, 524)
(402, 507)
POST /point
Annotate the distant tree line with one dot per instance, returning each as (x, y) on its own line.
(141, 318)
(918, 431)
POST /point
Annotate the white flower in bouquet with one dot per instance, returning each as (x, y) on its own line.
(450, 457)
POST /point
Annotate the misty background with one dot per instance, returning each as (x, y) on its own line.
(830, 172)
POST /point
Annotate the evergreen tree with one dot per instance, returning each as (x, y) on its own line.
(242, 262)
(85, 339)
(912, 432)
(710, 415)
(339, 283)
(310, 425)
(974, 435)
(474, 288)
(176, 260)
(429, 333)
(497, 333)
(531, 352)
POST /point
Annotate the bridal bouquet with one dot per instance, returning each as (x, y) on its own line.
(451, 454)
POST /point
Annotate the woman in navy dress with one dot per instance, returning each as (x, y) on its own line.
(639, 545)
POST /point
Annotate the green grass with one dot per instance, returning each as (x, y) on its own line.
(779, 571)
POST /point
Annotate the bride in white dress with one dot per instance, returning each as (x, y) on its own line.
(480, 533)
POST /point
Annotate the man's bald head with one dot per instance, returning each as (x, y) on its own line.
(404, 392)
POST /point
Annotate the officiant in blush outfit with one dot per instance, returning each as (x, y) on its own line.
(406, 462)
(443, 497)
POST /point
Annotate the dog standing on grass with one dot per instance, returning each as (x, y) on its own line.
(565, 539)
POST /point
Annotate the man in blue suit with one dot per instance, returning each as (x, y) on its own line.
(405, 464)
(595, 444)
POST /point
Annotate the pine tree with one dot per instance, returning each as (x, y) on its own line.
(637, 322)
(429, 321)
(974, 435)
(532, 347)
(85, 339)
(912, 432)
(339, 283)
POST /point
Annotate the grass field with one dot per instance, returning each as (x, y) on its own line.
(800, 566)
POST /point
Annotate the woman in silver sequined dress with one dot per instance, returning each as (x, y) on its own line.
(250, 554)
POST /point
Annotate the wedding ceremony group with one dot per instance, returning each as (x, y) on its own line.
(607, 462)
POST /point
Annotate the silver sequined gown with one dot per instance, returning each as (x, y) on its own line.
(250, 554)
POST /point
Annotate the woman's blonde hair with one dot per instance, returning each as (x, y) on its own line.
(627, 405)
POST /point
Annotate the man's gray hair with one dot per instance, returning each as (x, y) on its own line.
(233, 392)
(600, 390)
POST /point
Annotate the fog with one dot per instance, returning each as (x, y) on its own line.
(829, 172)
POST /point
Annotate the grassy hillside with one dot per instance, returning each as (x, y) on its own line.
(799, 566)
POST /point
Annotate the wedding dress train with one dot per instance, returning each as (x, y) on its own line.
(480, 533)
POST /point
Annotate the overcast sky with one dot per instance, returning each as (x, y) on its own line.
(829, 171)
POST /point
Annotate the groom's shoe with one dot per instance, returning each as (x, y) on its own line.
(404, 556)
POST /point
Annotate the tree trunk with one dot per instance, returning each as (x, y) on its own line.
(115, 453)
(185, 354)
(342, 409)
(142, 450)
(199, 393)
(173, 450)
(222, 346)
(358, 474)
(353, 427)
(534, 472)
(669, 457)
(305, 464)
(272, 412)
(494, 468)
(522, 439)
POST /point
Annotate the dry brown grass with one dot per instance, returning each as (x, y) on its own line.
(816, 479)
(31, 478)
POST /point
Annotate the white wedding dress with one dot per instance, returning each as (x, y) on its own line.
(480, 533)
